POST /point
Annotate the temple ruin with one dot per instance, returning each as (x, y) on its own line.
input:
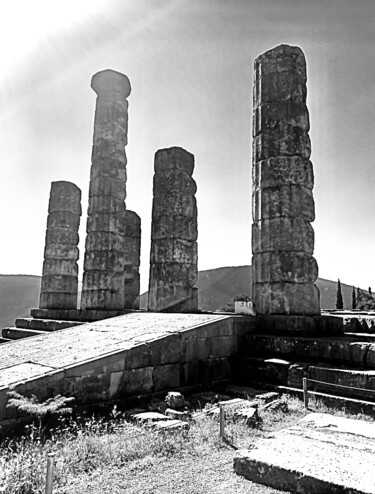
(104, 275)
(174, 232)
(283, 268)
(59, 288)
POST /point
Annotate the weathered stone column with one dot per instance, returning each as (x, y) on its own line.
(103, 277)
(59, 287)
(173, 259)
(132, 259)
(283, 268)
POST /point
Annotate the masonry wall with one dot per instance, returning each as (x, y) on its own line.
(192, 357)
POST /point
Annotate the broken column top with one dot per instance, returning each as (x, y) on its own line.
(111, 81)
(64, 196)
(282, 58)
(174, 158)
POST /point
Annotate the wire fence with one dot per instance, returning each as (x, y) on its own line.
(306, 381)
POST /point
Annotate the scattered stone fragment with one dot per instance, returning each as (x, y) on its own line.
(267, 397)
(145, 417)
(175, 400)
(276, 405)
(249, 416)
(175, 414)
(170, 425)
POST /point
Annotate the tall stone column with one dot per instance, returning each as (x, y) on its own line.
(59, 287)
(283, 268)
(132, 259)
(174, 231)
(103, 277)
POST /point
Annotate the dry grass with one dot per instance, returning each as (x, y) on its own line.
(113, 456)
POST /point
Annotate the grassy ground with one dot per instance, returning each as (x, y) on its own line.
(113, 456)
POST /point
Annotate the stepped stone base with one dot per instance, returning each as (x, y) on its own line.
(301, 325)
(322, 453)
(77, 315)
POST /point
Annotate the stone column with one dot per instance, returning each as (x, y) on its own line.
(59, 287)
(283, 268)
(173, 259)
(132, 259)
(103, 277)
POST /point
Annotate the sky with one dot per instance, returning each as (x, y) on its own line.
(190, 64)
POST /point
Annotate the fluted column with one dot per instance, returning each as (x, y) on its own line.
(103, 277)
(59, 288)
(174, 231)
(283, 268)
(132, 259)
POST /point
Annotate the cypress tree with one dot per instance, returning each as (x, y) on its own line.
(339, 300)
(354, 301)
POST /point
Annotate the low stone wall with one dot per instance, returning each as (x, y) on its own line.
(188, 357)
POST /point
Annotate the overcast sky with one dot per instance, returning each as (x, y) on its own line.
(190, 63)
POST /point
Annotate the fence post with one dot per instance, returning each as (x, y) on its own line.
(49, 478)
(222, 421)
(305, 393)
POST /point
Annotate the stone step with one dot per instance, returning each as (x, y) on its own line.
(321, 453)
(4, 340)
(351, 382)
(18, 333)
(352, 350)
(44, 324)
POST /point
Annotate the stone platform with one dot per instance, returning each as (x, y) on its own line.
(321, 454)
(136, 354)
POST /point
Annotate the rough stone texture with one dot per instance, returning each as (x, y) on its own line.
(320, 454)
(59, 288)
(284, 270)
(132, 259)
(104, 275)
(174, 257)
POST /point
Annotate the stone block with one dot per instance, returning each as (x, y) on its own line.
(138, 356)
(61, 251)
(107, 187)
(284, 141)
(275, 114)
(286, 298)
(172, 227)
(175, 274)
(137, 381)
(296, 373)
(172, 298)
(370, 357)
(107, 241)
(106, 222)
(109, 298)
(62, 267)
(111, 167)
(288, 267)
(59, 283)
(283, 170)
(224, 346)
(64, 237)
(166, 377)
(64, 196)
(166, 350)
(283, 234)
(288, 200)
(280, 59)
(104, 365)
(58, 300)
(284, 86)
(105, 204)
(63, 219)
(167, 182)
(90, 388)
(351, 378)
(174, 251)
(197, 349)
(174, 158)
(175, 204)
(107, 261)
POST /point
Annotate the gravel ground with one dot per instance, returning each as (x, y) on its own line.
(208, 474)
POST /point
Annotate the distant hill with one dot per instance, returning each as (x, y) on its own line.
(217, 287)
(18, 294)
